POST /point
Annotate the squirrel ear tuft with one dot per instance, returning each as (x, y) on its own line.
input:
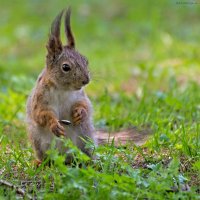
(68, 31)
(54, 45)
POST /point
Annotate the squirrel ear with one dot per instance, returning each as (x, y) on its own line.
(68, 31)
(54, 45)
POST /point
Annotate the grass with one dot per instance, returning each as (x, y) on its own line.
(144, 59)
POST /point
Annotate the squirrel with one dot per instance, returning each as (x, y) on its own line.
(59, 95)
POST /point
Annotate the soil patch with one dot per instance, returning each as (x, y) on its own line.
(133, 135)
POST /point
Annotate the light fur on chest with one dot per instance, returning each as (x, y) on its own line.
(62, 102)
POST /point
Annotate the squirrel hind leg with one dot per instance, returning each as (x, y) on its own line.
(40, 150)
(82, 146)
(39, 156)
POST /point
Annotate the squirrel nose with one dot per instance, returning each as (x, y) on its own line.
(86, 81)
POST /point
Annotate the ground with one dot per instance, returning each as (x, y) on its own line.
(144, 61)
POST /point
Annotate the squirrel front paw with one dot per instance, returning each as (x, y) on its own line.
(79, 114)
(57, 129)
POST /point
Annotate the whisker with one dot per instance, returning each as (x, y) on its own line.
(96, 77)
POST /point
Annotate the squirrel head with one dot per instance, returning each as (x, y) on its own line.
(65, 65)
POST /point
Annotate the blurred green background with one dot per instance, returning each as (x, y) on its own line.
(118, 37)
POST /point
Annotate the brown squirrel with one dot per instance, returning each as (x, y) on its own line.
(59, 95)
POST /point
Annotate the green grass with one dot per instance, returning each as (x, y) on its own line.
(144, 59)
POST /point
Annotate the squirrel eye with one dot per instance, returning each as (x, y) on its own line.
(66, 67)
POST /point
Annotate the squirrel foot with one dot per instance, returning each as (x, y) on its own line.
(37, 163)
